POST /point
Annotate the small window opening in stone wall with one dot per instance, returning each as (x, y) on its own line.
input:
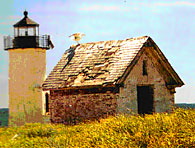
(47, 102)
(145, 68)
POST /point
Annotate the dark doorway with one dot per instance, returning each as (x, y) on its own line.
(145, 99)
(47, 102)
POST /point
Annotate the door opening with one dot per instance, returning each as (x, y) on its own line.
(145, 99)
(47, 102)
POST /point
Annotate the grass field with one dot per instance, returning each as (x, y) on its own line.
(4, 112)
(159, 130)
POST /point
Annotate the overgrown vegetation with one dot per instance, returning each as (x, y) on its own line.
(158, 130)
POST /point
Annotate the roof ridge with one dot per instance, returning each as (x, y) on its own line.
(111, 40)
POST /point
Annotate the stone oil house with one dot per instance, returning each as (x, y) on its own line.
(97, 79)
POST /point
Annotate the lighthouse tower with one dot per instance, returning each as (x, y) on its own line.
(27, 69)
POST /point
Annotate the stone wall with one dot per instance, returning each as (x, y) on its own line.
(70, 108)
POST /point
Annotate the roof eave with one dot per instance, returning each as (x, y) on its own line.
(80, 87)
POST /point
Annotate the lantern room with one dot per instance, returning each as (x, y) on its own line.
(26, 27)
(26, 35)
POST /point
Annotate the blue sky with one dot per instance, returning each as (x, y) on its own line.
(171, 24)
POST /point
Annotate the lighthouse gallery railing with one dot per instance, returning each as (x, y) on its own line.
(27, 42)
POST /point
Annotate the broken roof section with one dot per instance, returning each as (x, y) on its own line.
(97, 63)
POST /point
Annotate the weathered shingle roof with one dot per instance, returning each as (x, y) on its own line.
(95, 63)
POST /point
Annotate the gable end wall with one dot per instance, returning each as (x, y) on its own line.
(163, 98)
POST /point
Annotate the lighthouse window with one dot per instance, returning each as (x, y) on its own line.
(22, 31)
(31, 32)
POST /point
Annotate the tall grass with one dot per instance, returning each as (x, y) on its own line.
(157, 130)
